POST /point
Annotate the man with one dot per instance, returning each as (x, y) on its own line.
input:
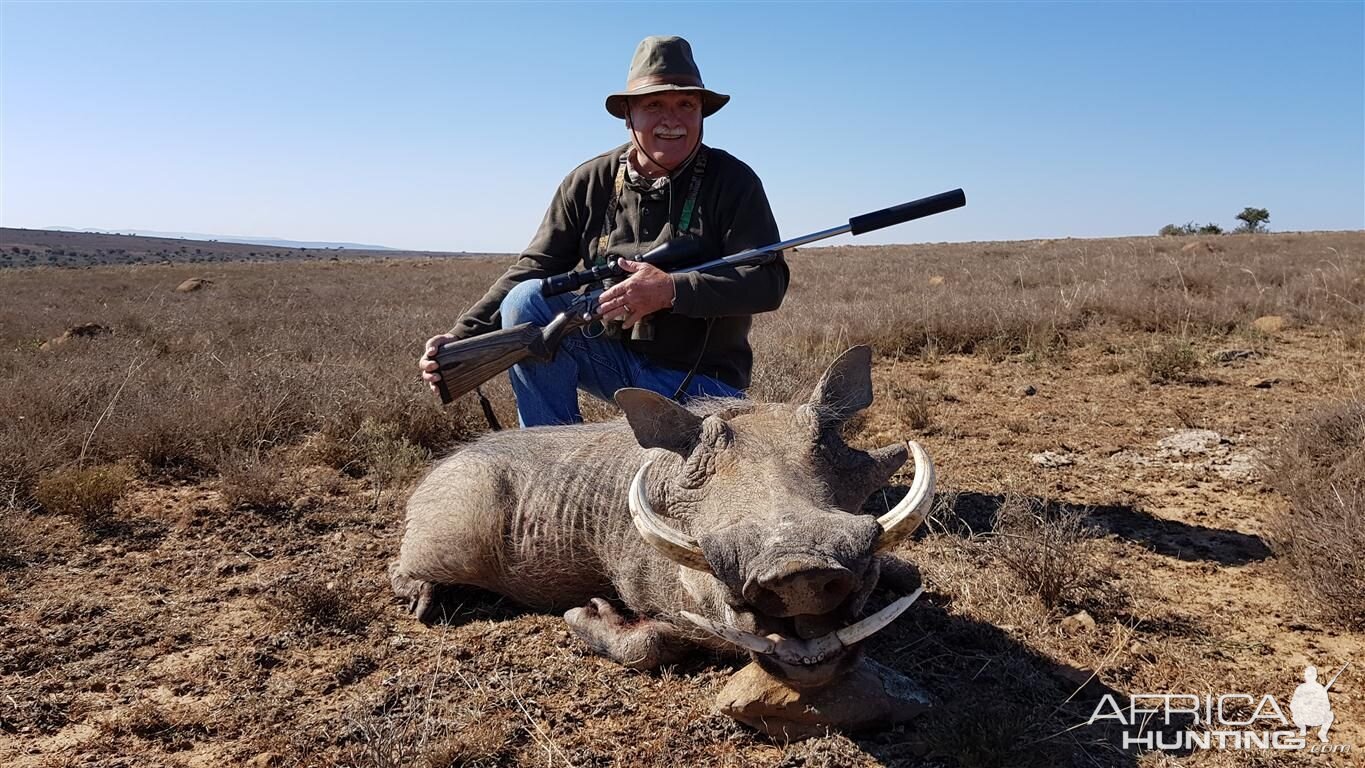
(664, 183)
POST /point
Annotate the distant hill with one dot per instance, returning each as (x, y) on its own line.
(271, 241)
(67, 248)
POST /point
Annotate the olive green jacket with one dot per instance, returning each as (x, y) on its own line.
(732, 214)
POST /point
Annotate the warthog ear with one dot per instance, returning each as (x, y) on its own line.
(845, 389)
(658, 422)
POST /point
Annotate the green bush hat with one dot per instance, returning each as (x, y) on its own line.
(664, 63)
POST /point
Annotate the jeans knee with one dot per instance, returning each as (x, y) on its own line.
(524, 304)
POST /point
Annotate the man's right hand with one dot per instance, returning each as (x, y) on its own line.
(428, 364)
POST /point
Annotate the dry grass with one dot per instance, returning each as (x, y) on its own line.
(326, 603)
(87, 496)
(1045, 549)
(1172, 361)
(273, 422)
(1319, 466)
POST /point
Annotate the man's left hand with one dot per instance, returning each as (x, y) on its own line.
(648, 290)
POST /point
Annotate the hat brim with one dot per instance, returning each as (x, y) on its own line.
(711, 102)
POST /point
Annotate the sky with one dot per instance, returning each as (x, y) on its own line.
(447, 126)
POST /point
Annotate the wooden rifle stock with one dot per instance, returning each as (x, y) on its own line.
(467, 363)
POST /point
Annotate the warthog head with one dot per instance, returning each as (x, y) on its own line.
(760, 505)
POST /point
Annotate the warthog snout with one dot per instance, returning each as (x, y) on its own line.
(800, 586)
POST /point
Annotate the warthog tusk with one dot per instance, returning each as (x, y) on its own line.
(746, 640)
(672, 543)
(907, 516)
(856, 633)
(796, 652)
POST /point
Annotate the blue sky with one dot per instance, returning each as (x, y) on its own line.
(447, 126)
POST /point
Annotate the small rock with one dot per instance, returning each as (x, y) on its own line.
(266, 760)
(1225, 356)
(193, 284)
(1052, 459)
(1143, 652)
(398, 642)
(1269, 324)
(1188, 441)
(1077, 623)
(870, 696)
(1239, 467)
(1262, 383)
(1028, 390)
(936, 280)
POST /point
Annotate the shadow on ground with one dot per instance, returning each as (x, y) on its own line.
(967, 513)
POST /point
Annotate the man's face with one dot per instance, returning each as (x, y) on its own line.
(667, 126)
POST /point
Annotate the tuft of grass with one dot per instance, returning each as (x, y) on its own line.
(87, 496)
(250, 480)
(914, 406)
(1172, 361)
(1045, 549)
(1319, 467)
(318, 603)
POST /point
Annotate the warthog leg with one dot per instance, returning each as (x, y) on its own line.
(420, 595)
(633, 643)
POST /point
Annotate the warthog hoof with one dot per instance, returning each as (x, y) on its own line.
(420, 595)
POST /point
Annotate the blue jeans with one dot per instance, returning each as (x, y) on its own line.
(547, 393)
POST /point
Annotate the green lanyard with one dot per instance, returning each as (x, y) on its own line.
(613, 202)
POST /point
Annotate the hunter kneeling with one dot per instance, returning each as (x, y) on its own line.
(685, 334)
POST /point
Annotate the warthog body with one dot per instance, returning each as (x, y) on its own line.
(729, 524)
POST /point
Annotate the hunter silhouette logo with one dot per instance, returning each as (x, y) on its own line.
(1227, 721)
(1310, 706)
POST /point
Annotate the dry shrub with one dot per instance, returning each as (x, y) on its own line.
(1319, 467)
(914, 406)
(390, 458)
(251, 480)
(1173, 361)
(319, 603)
(87, 496)
(1046, 549)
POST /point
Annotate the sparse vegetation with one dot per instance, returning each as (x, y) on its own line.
(1319, 466)
(87, 496)
(1045, 550)
(270, 426)
(319, 603)
(1171, 361)
(1190, 228)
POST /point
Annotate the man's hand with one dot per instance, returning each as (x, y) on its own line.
(427, 364)
(648, 290)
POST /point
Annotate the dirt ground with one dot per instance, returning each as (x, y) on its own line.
(200, 636)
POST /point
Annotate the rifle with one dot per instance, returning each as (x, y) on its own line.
(468, 363)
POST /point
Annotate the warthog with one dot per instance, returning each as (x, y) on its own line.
(730, 525)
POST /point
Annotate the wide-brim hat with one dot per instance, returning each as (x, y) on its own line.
(664, 63)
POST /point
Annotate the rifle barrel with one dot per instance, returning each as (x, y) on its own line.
(896, 214)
